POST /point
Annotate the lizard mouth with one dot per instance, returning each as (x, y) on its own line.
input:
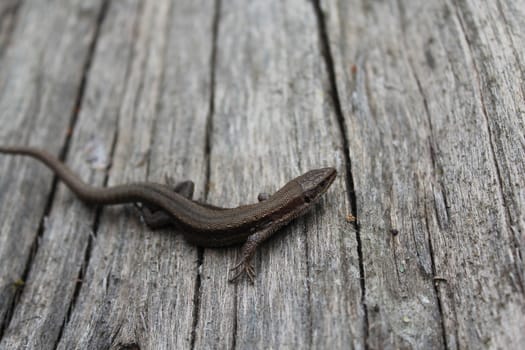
(317, 182)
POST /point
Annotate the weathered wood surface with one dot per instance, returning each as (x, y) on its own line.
(419, 105)
(432, 96)
(42, 72)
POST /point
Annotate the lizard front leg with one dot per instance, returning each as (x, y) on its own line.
(244, 266)
(263, 196)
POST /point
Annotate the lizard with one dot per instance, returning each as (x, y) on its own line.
(201, 224)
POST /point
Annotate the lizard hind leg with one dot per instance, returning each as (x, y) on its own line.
(155, 218)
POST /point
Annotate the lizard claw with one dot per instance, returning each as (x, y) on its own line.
(243, 267)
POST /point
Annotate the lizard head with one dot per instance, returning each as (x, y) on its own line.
(315, 183)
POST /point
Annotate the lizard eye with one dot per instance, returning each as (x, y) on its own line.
(307, 199)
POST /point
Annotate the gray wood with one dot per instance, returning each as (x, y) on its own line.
(273, 121)
(41, 72)
(65, 244)
(8, 16)
(432, 96)
(419, 105)
(139, 286)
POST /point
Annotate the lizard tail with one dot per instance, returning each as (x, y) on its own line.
(63, 172)
(120, 194)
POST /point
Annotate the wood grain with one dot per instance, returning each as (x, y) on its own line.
(8, 16)
(431, 101)
(273, 121)
(419, 106)
(41, 70)
(140, 284)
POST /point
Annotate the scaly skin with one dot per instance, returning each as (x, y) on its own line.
(202, 224)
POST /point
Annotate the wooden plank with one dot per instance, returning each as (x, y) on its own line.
(491, 143)
(272, 121)
(139, 286)
(431, 99)
(56, 269)
(423, 87)
(8, 16)
(498, 54)
(41, 73)
(388, 132)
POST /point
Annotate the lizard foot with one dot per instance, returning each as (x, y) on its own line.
(244, 266)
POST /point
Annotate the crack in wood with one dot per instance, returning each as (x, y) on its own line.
(197, 297)
(76, 111)
(52, 192)
(32, 253)
(437, 290)
(207, 153)
(437, 169)
(329, 62)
